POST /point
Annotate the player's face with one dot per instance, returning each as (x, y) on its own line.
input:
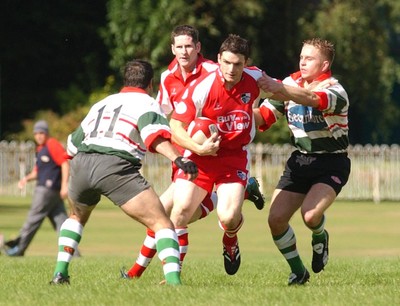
(40, 138)
(186, 51)
(231, 66)
(312, 64)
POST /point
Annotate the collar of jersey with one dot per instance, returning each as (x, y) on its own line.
(132, 89)
(297, 77)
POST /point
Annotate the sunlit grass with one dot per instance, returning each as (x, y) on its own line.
(363, 268)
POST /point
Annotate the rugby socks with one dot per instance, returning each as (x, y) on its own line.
(209, 201)
(168, 252)
(68, 240)
(230, 235)
(148, 249)
(183, 238)
(318, 232)
(286, 244)
(147, 252)
(229, 239)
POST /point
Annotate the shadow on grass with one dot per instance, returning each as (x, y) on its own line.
(13, 207)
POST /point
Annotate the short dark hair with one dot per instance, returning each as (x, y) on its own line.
(185, 30)
(138, 73)
(236, 44)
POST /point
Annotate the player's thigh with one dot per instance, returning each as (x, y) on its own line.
(187, 198)
(230, 200)
(283, 205)
(167, 198)
(187, 194)
(317, 201)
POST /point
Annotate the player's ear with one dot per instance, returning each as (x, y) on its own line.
(248, 62)
(198, 47)
(325, 66)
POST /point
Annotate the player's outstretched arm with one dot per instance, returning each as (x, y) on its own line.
(284, 92)
(164, 147)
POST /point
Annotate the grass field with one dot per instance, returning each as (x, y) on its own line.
(364, 266)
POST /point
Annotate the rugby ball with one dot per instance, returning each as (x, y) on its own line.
(202, 128)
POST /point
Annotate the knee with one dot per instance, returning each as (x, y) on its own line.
(200, 213)
(277, 222)
(311, 218)
(181, 216)
(229, 220)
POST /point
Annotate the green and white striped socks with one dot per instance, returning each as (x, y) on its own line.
(318, 234)
(286, 244)
(68, 240)
(166, 242)
(168, 252)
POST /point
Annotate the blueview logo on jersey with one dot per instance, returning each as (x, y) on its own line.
(236, 120)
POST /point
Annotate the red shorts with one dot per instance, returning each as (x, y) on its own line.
(216, 170)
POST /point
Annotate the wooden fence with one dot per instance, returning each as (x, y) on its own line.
(375, 173)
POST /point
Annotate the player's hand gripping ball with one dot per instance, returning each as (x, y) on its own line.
(202, 128)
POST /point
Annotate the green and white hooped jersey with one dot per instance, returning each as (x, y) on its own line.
(316, 130)
(123, 124)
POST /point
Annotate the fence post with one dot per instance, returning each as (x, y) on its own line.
(375, 182)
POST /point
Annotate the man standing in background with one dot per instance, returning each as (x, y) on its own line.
(51, 172)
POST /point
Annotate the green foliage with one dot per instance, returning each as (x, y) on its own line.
(141, 29)
(278, 133)
(364, 63)
(63, 73)
(361, 30)
(52, 118)
(62, 125)
(70, 98)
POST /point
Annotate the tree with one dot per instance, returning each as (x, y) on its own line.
(366, 34)
(141, 29)
(53, 56)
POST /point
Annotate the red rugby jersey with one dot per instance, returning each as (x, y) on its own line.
(232, 109)
(172, 81)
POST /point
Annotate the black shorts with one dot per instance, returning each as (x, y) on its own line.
(93, 175)
(302, 171)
